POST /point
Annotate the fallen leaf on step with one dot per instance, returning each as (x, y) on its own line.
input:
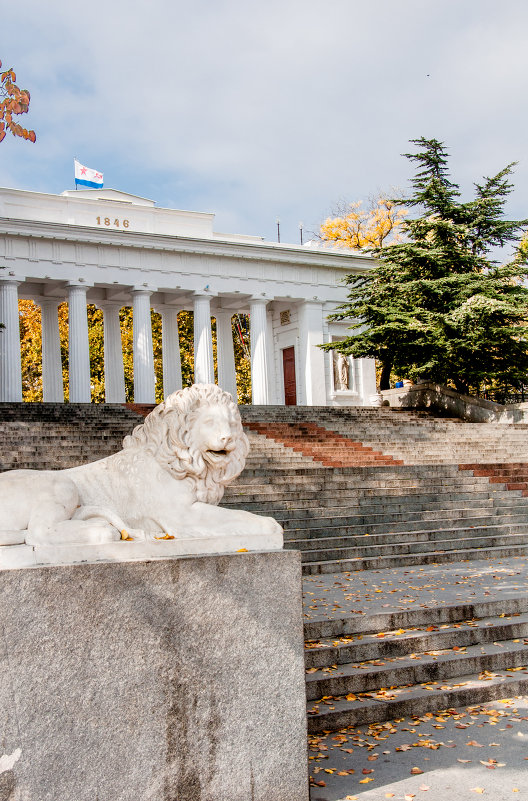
(475, 744)
(365, 781)
(416, 771)
(424, 787)
(464, 761)
(365, 771)
(477, 790)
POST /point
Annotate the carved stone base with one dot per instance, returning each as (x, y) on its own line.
(169, 679)
(13, 557)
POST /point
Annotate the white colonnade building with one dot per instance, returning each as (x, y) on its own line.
(113, 249)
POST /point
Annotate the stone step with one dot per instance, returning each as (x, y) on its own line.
(310, 516)
(369, 667)
(331, 543)
(434, 664)
(336, 500)
(311, 527)
(360, 481)
(361, 647)
(400, 560)
(337, 713)
(487, 537)
(407, 530)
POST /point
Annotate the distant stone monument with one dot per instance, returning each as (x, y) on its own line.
(156, 497)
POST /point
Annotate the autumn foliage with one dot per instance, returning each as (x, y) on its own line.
(13, 101)
(31, 351)
(364, 228)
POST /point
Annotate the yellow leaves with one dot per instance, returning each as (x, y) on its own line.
(245, 550)
(416, 771)
(366, 781)
(359, 229)
(125, 536)
(477, 790)
(165, 537)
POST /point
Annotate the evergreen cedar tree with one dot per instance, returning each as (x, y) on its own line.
(437, 306)
(13, 101)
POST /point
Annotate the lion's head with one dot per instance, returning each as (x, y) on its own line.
(196, 433)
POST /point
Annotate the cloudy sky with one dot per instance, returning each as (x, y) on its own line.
(258, 110)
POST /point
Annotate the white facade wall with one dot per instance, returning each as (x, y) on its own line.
(124, 251)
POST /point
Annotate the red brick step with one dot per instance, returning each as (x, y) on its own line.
(328, 447)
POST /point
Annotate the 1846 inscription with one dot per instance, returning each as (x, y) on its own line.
(117, 223)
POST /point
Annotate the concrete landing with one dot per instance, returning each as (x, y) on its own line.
(350, 596)
(457, 755)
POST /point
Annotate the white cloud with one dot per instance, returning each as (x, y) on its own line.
(254, 110)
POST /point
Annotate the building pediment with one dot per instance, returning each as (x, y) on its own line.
(115, 195)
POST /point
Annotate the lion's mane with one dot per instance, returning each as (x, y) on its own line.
(167, 435)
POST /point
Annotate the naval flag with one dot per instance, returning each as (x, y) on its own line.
(84, 176)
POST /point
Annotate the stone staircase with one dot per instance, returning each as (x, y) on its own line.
(459, 496)
(327, 447)
(389, 664)
(402, 495)
(50, 436)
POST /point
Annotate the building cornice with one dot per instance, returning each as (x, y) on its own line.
(218, 248)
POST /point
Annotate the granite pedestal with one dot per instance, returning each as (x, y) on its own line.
(171, 680)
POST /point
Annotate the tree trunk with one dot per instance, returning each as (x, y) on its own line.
(386, 367)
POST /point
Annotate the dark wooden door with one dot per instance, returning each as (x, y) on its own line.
(288, 368)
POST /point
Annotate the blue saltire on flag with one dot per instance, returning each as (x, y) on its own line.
(84, 176)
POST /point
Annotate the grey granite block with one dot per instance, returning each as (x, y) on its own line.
(173, 680)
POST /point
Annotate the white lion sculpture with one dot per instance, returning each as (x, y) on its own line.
(162, 485)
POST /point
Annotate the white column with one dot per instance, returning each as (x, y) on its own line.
(367, 379)
(114, 374)
(79, 350)
(170, 343)
(311, 358)
(272, 374)
(225, 353)
(203, 340)
(10, 371)
(258, 326)
(144, 378)
(52, 383)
